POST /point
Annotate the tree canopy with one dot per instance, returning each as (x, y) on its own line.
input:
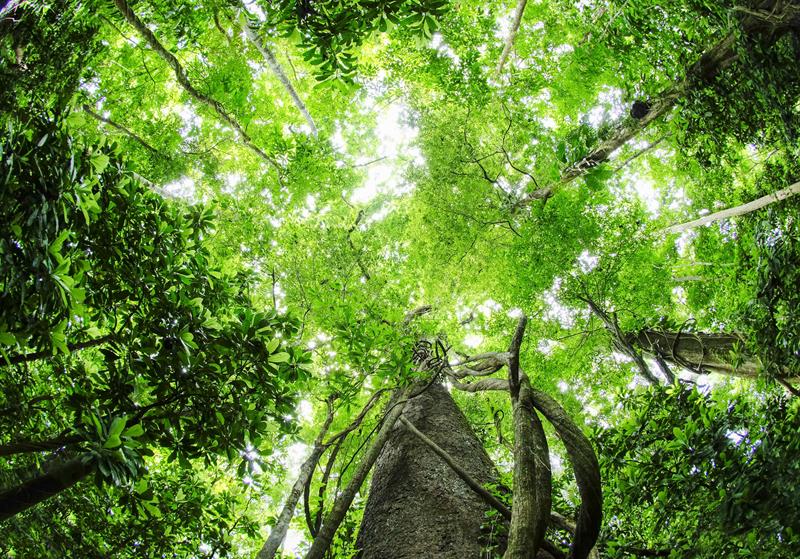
(236, 237)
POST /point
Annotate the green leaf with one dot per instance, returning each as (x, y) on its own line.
(281, 357)
(134, 431)
(99, 162)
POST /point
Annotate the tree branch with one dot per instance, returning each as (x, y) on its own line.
(736, 211)
(183, 80)
(509, 44)
(276, 69)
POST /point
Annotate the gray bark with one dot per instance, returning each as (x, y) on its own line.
(278, 532)
(697, 351)
(418, 506)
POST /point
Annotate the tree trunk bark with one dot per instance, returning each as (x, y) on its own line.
(736, 211)
(418, 506)
(34, 491)
(698, 351)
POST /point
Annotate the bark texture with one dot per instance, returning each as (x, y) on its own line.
(697, 351)
(418, 507)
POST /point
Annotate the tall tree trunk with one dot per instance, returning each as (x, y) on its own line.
(418, 507)
(51, 482)
(698, 351)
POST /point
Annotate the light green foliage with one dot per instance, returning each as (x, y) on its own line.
(176, 308)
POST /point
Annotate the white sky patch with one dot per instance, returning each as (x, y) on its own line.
(646, 190)
(683, 241)
(679, 294)
(255, 9)
(395, 140)
(555, 310)
(437, 43)
(305, 411)
(293, 541)
(609, 106)
(563, 386)
(546, 347)
(473, 340)
(488, 307)
(515, 313)
(231, 181)
(191, 120)
(556, 464)
(295, 455)
(181, 188)
(587, 262)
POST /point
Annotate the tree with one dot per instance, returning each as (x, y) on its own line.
(450, 292)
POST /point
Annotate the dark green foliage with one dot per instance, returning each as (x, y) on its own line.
(119, 330)
(44, 47)
(705, 476)
(774, 316)
(329, 31)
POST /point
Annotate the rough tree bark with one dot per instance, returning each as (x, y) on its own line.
(418, 507)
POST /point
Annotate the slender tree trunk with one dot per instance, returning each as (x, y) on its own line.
(771, 19)
(418, 506)
(278, 532)
(698, 351)
(51, 482)
(275, 66)
(512, 34)
(737, 211)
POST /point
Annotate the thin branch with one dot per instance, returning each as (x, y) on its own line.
(640, 152)
(278, 533)
(87, 109)
(183, 80)
(43, 354)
